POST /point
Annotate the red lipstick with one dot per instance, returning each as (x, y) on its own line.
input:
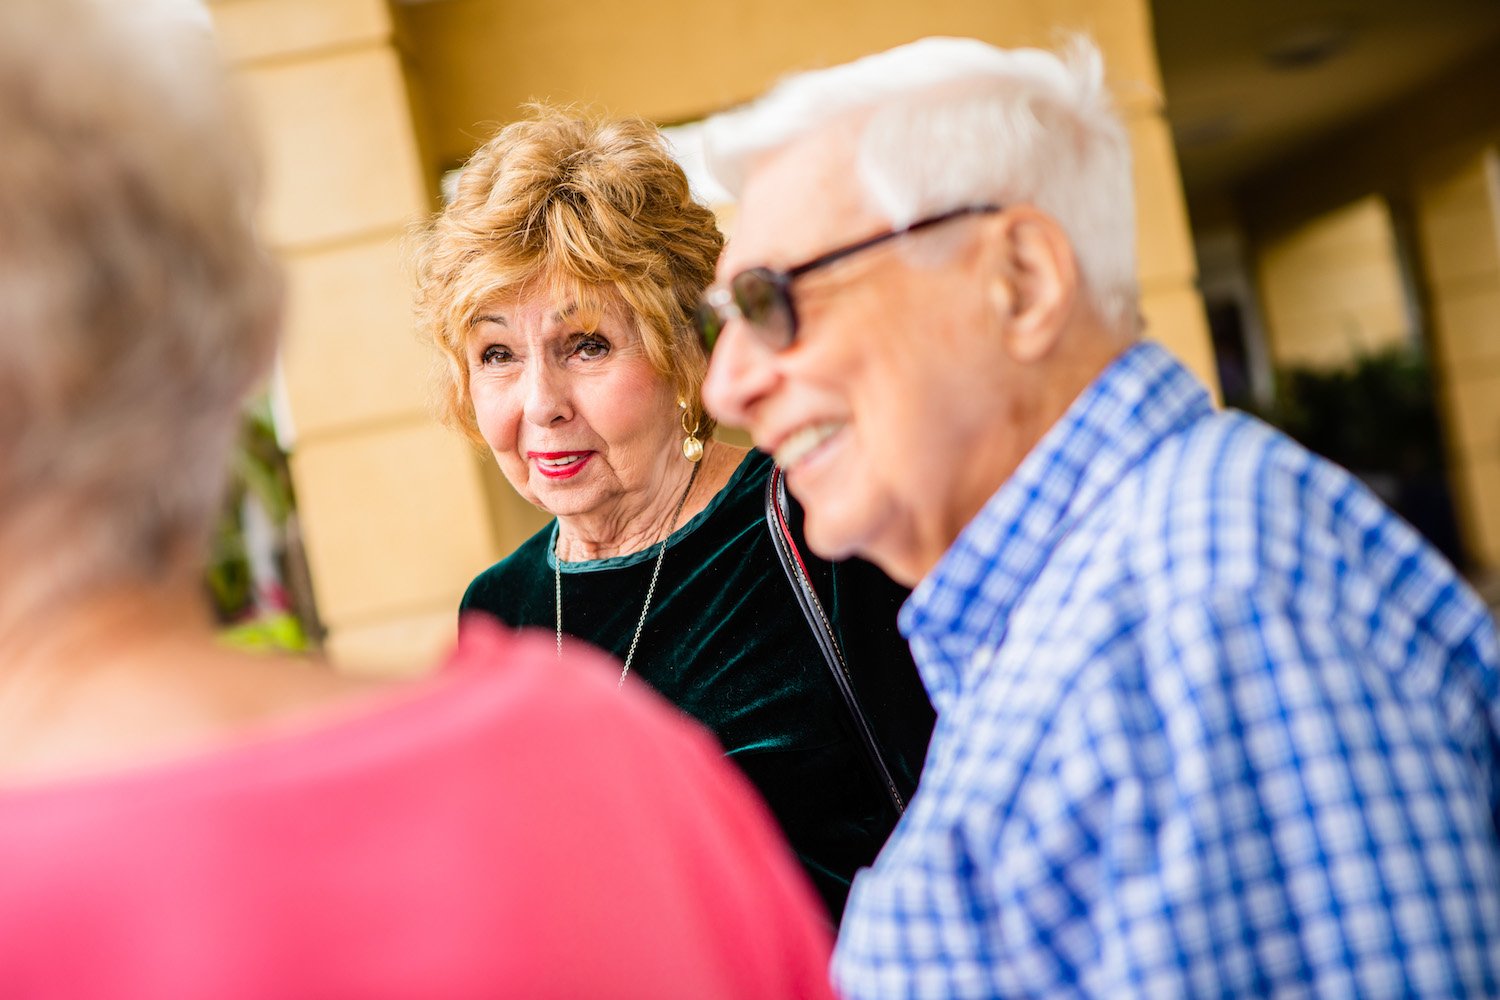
(559, 464)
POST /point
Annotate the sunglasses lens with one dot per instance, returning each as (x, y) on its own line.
(709, 324)
(763, 302)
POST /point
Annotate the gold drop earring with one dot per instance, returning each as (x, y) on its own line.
(692, 448)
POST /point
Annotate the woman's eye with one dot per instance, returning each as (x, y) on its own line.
(494, 355)
(590, 348)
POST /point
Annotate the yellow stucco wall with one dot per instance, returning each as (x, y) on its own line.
(672, 60)
(1458, 214)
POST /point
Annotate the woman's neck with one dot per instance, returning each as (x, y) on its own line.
(103, 623)
(581, 538)
(134, 674)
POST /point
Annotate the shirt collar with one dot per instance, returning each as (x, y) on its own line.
(962, 606)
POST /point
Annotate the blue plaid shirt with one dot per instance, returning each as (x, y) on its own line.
(1212, 721)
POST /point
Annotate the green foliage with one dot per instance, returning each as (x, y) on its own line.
(1378, 419)
(258, 474)
(1375, 416)
(276, 631)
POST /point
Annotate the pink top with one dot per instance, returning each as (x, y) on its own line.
(515, 828)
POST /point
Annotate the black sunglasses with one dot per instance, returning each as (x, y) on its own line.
(762, 297)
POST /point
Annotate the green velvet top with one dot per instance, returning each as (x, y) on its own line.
(725, 642)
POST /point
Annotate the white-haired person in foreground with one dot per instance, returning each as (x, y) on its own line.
(1211, 720)
(178, 820)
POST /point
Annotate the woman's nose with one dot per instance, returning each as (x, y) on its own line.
(547, 397)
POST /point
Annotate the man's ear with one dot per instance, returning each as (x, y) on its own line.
(1033, 280)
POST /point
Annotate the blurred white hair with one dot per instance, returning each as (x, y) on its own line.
(137, 305)
(954, 121)
(187, 14)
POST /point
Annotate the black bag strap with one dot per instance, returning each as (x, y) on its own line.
(777, 520)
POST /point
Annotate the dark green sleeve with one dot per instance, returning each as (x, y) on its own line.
(517, 590)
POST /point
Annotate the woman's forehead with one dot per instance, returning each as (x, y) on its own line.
(546, 307)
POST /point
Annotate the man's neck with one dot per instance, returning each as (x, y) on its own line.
(1014, 434)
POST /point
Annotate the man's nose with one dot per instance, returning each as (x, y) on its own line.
(741, 372)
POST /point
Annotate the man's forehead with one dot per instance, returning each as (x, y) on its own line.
(798, 201)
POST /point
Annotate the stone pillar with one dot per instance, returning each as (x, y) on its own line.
(1458, 219)
(1167, 269)
(394, 509)
(1332, 289)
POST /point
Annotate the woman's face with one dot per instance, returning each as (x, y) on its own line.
(581, 423)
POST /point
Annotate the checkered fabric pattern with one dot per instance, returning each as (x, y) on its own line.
(1213, 722)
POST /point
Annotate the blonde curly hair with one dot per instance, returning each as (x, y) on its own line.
(586, 208)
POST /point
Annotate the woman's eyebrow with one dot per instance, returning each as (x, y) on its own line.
(486, 317)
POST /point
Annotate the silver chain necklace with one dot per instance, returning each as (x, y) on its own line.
(661, 553)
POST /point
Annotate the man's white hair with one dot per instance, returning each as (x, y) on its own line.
(954, 121)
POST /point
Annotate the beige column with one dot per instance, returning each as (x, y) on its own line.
(394, 509)
(1458, 214)
(1332, 288)
(1170, 300)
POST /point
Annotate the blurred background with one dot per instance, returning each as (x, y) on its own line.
(1319, 205)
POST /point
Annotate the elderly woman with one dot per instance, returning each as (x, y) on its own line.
(181, 820)
(560, 287)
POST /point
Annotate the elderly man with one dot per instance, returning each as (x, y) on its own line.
(1212, 721)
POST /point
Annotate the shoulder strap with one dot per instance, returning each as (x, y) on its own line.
(792, 562)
